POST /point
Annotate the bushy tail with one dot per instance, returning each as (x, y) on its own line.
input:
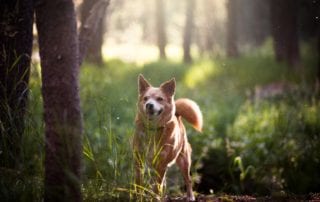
(190, 111)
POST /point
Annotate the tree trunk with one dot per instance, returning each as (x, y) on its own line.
(90, 26)
(232, 38)
(318, 48)
(58, 43)
(209, 32)
(253, 22)
(260, 22)
(188, 31)
(278, 42)
(161, 28)
(284, 19)
(94, 52)
(16, 19)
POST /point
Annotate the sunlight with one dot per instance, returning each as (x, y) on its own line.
(199, 73)
(139, 53)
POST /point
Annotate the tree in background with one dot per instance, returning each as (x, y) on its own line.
(209, 31)
(253, 23)
(284, 29)
(318, 48)
(94, 53)
(161, 28)
(259, 20)
(187, 35)
(16, 19)
(210, 36)
(232, 38)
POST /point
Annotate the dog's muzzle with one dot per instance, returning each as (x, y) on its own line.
(151, 110)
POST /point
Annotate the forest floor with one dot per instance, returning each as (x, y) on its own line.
(313, 197)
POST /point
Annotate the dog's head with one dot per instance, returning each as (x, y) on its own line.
(156, 105)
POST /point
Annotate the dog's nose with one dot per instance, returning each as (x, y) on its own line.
(149, 106)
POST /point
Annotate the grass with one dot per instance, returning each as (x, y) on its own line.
(234, 127)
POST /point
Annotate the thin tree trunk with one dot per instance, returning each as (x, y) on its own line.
(278, 42)
(161, 28)
(58, 43)
(16, 19)
(94, 52)
(188, 31)
(318, 48)
(284, 19)
(260, 22)
(90, 26)
(232, 38)
(209, 32)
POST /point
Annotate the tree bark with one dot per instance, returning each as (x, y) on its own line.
(318, 43)
(232, 38)
(58, 43)
(188, 31)
(16, 19)
(284, 19)
(161, 28)
(94, 52)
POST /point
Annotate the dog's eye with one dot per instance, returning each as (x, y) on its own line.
(159, 99)
(145, 98)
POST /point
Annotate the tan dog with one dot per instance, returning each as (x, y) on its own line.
(160, 138)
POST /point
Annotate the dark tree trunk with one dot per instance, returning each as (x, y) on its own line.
(188, 31)
(278, 42)
(16, 19)
(260, 22)
(232, 38)
(317, 13)
(318, 47)
(253, 22)
(284, 19)
(94, 52)
(58, 43)
(161, 28)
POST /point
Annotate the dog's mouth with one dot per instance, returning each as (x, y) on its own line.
(151, 113)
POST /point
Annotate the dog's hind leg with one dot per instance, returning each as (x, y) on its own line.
(184, 163)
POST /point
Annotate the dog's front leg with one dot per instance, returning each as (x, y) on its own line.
(160, 165)
(159, 180)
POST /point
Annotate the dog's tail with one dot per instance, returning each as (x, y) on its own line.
(190, 111)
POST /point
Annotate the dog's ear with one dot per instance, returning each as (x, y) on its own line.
(142, 84)
(169, 87)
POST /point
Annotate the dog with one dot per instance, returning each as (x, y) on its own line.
(160, 138)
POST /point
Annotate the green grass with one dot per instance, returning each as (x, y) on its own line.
(259, 134)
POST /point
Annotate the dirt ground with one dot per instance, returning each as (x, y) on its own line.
(312, 197)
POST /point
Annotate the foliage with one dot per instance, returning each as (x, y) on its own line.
(280, 140)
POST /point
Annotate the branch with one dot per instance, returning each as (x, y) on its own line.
(90, 26)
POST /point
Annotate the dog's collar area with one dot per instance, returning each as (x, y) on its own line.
(153, 129)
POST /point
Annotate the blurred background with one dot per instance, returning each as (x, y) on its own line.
(140, 31)
(253, 67)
